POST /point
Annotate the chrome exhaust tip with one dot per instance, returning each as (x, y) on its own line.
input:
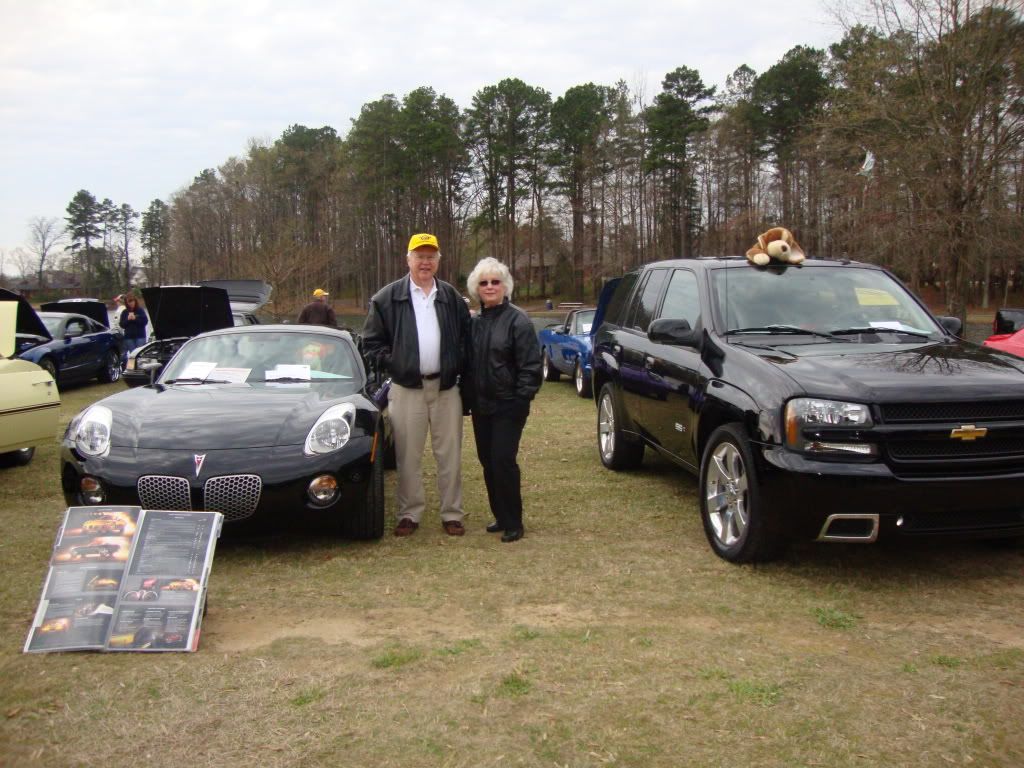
(855, 529)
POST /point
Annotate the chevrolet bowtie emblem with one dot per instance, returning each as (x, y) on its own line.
(199, 458)
(968, 432)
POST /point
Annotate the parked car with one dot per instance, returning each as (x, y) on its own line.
(29, 401)
(179, 312)
(820, 401)
(1012, 343)
(565, 349)
(69, 346)
(1008, 320)
(260, 423)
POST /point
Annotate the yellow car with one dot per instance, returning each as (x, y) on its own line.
(29, 402)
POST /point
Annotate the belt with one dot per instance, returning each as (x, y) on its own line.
(430, 376)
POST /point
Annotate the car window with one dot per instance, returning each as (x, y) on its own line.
(53, 324)
(613, 314)
(582, 322)
(76, 326)
(643, 310)
(257, 357)
(682, 299)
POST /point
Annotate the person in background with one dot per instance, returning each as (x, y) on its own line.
(417, 330)
(133, 322)
(318, 312)
(503, 379)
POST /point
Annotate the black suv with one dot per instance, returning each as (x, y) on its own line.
(814, 401)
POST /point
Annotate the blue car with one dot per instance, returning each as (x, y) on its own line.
(69, 340)
(566, 347)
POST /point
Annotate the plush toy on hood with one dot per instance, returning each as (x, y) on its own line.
(777, 243)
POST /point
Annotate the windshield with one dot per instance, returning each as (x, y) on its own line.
(584, 320)
(262, 357)
(53, 324)
(818, 300)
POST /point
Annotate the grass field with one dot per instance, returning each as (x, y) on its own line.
(609, 636)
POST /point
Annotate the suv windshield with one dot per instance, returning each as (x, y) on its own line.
(818, 301)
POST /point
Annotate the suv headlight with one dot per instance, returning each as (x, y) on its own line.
(816, 426)
(91, 431)
(331, 431)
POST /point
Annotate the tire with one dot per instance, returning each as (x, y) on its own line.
(18, 458)
(582, 381)
(739, 526)
(368, 521)
(111, 370)
(550, 372)
(616, 451)
(50, 367)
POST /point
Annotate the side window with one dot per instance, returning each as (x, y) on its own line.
(613, 314)
(76, 326)
(643, 312)
(682, 299)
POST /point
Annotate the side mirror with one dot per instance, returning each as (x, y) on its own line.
(951, 325)
(676, 332)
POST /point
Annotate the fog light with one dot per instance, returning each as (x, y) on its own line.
(323, 490)
(92, 490)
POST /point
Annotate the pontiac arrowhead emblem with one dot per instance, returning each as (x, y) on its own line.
(199, 458)
(968, 432)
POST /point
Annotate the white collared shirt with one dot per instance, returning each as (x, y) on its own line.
(428, 330)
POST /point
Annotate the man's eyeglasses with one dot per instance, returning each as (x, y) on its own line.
(426, 256)
(485, 283)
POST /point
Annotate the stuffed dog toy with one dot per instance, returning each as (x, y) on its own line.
(777, 243)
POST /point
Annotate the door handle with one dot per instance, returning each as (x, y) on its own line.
(43, 383)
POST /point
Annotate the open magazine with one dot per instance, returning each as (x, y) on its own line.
(126, 579)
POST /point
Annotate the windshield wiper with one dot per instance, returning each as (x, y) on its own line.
(793, 330)
(287, 380)
(881, 329)
(196, 380)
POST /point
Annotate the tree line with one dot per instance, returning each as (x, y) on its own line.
(901, 144)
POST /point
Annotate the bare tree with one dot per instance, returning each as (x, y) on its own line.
(44, 236)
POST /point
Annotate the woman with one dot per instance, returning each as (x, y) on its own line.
(133, 321)
(504, 376)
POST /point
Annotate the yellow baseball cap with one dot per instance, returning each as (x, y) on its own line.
(418, 241)
(320, 292)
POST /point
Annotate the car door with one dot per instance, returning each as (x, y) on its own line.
(78, 346)
(675, 374)
(638, 385)
(563, 351)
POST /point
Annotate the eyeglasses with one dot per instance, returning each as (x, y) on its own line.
(485, 283)
(426, 256)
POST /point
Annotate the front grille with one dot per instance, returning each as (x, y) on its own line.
(234, 496)
(964, 413)
(164, 492)
(989, 447)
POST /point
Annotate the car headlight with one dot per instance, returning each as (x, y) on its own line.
(91, 431)
(816, 426)
(331, 431)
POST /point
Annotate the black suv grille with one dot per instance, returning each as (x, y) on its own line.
(923, 444)
(910, 413)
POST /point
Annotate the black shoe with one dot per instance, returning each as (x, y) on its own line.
(513, 534)
(495, 528)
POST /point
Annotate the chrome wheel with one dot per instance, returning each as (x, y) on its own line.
(726, 489)
(544, 366)
(578, 376)
(606, 428)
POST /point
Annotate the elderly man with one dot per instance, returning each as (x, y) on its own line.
(418, 330)
(317, 312)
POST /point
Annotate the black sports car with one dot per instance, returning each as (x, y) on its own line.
(255, 422)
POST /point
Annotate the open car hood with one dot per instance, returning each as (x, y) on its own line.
(187, 310)
(91, 308)
(244, 295)
(26, 321)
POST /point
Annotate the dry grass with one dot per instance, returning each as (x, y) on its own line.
(610, 635)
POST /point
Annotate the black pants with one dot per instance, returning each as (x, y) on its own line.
(497, 446)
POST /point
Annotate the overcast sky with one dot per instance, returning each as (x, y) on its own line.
(131, 100)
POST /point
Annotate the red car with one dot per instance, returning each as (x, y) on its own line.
(1007, 342)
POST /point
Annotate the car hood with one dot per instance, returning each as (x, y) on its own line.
(887, 372)
(244, 295)
(187, 310)
(25, 321)
(95, 310)
(220, 416)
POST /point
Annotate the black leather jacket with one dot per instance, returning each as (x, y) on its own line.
(389, 334)
(505, 359)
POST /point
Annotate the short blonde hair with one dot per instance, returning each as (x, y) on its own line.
(489, 266)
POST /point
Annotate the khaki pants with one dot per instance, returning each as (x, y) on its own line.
(413, 412)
